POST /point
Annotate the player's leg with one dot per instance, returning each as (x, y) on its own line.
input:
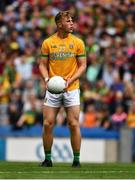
(50, 110)
(49, 114)
(72, 107)
(73, 122)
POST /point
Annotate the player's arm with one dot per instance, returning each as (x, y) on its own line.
(43, 62)
(81, 69)
(43, 67)
(81, 60)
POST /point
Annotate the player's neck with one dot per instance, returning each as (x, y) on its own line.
(62, 35)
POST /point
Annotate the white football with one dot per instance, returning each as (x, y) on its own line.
(56, 84)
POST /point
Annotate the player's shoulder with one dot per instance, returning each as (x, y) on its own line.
(50, 38)
(76, 38)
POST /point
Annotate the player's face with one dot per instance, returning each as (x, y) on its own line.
(67, 24)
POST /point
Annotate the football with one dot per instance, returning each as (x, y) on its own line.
(56, 84)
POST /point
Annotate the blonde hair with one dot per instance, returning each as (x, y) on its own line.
(61, 15)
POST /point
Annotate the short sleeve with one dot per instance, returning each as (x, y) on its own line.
(81, 52)
(44, 49)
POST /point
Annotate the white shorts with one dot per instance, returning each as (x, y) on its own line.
(67, 99)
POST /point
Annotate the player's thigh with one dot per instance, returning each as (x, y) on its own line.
(71, 98)
(49, 114)
(73, 114)
(53, 100)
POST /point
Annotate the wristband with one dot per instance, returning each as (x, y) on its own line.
(46, 79)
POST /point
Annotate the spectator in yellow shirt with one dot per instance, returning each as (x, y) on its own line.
(131, 117)
(4, 99)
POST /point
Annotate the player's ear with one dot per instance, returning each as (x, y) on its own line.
(59, 25)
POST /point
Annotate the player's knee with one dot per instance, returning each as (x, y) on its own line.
(73, 125)
(48, 125)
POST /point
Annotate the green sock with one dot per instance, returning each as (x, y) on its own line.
(48, 155)
(76, 156)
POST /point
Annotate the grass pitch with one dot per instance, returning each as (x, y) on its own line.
(25, 170)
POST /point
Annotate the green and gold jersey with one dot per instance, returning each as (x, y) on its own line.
(63, 56)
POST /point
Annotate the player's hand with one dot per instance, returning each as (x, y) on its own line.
(68, 82)
(46, 83)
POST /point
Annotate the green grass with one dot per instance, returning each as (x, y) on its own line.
(25, 170)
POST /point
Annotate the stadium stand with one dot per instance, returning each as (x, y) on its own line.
(108, 30)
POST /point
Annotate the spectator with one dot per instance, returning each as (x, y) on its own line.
(13, 115)
(118, 118)
(28, 118)
(29, 89)
(131, 116)
(24, 68)
(4, 99)
(31, 110)
(118, 84)
(89, 117)
(93, 69)
(108, 73)
(102, 117)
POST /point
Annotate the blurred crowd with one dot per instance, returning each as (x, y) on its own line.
(108, 86)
